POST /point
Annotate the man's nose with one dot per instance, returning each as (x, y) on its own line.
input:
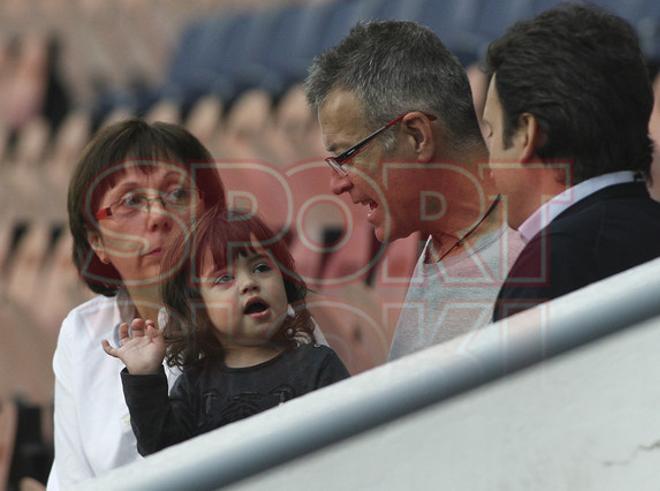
(340, 184)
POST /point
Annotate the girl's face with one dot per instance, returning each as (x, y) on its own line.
(138, 218)
(246, 302)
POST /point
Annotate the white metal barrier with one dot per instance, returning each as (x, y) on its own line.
(352, 407)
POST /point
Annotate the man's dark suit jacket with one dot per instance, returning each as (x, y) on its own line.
(607, 232)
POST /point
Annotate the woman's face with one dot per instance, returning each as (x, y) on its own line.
(140, 215)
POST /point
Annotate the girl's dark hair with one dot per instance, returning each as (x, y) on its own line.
(189, 332)
(94, 175)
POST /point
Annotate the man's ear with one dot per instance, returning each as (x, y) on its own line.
(96, 243)
(528, 137)
(419, 133)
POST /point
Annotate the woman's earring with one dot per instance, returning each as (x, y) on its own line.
(290, 312)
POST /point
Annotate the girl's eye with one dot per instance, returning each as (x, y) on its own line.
(223, 279)
(262, 268)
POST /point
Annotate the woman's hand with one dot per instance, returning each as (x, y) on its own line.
(143, 351)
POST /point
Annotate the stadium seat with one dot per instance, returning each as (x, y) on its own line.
(539, 6)
(32, 142)
(6, 236)
(184, 74)
(60, 287)
(631, 10)
(71, 137)
(308, 40)
(291, 135)
(453, 21)
(118, 114)
(244, 124)
(204, 119)
(27, 183)
(262, 60)
(24, 273)
(338, 21)
(8, 422)
(381, 9)
(4, 141)
(165, 111)
(281, 51)
(648, 28)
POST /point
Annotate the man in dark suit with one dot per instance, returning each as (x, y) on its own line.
(566, 123)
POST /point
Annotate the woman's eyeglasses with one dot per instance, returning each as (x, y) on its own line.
(134, 203)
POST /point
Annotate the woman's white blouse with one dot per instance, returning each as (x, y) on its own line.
(92, 427)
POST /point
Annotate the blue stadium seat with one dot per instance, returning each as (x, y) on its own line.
(539, 6)
(309, 38)
(343, 15)
(189, 43)
(495, 17)
(648, 27)
(272, 68)
(202, 57)
(453, 21)
(631, 10)
(385, 10)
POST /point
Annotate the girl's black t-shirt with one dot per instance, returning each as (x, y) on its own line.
(211, 395)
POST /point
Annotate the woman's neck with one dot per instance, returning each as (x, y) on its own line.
(147, 302)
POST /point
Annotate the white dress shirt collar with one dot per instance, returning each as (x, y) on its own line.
(550, 210)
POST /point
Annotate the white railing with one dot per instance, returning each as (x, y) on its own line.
(386, 393)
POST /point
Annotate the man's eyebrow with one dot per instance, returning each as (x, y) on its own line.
(334, 148)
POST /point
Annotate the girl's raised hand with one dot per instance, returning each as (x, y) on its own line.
(142, 351)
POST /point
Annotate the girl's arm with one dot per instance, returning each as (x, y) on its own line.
(142, 351)
(158, 421)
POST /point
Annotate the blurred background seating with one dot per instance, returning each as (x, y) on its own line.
(231, 72)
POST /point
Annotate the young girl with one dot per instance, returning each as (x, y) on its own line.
(237, 326)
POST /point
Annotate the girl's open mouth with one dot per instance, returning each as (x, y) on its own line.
(257, 308)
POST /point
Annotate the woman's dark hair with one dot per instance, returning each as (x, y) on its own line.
(580, 72)
(129, 141)
(189, 332)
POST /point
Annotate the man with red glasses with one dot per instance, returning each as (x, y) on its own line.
(396, 114)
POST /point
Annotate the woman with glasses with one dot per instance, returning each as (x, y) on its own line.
(136, 188)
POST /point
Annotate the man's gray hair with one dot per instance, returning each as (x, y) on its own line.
(394, 67)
